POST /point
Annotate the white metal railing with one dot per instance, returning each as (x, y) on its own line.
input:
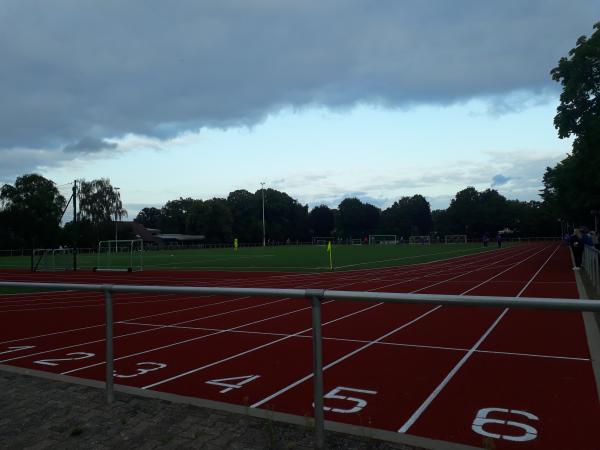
(591, 266)
(316, 297)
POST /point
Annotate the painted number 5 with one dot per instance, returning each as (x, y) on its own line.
(359, 403)
(528, 433)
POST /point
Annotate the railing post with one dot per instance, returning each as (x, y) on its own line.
(108, 308)
(316, 297)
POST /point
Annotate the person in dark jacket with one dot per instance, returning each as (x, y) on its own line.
(577, 247)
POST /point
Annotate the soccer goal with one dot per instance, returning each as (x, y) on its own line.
(120, 256)
(52, 259)
(456, 239)
(383, 239)
(423, 240)
(323, 240)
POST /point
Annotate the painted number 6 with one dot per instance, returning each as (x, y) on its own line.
(529, 433)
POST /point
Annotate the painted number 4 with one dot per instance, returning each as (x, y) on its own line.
(229, 386)
(528, 433)
(359, 403)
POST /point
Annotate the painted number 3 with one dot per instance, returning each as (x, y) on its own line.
(143, 368)
(528, 433)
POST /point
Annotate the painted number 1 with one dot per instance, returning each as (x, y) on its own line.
(359, 403)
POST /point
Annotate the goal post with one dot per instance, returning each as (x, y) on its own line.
(52, 259)
(323, 240)
(383, 239)
(455, 239)
(423, 240)
(120, 255)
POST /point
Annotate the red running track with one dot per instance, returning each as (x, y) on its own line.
(523, 378)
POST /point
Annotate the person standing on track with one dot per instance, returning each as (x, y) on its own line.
(576, 243)
(499, 240)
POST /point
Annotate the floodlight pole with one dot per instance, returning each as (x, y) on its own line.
(262, 184)
(116, 223)
(74, 225)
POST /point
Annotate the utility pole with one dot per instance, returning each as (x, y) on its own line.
(74, 225)
(262, 184)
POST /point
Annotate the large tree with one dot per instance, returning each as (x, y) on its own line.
(246, 211)
(407, 216)
(357, 219)
(31, 210)
(321, 220)
(572, 187)
(99, 201)
(149, 217)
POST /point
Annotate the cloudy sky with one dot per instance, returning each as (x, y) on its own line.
(322, 99)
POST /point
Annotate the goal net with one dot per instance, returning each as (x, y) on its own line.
(423, 240)
(52, 259)
(456, 239)
(121, 255)
(323, 240)
(383, 239)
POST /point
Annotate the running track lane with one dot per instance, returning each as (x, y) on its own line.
(53, 323)
(347, 346)
(551, 402)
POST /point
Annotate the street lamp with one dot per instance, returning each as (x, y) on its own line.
(262, 185)
(117, 201)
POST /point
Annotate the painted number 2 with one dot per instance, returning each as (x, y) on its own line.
(528, 433)
(144, 368)
(359, 403)
(73, 357)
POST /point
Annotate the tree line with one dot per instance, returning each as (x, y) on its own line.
(32, 207)
(572, 187)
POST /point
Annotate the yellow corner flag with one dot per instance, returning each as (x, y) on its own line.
(330, 255)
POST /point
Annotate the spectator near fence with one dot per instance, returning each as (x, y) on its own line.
(576, 242)
(594, 237)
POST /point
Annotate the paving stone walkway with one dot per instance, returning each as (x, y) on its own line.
(41, 414)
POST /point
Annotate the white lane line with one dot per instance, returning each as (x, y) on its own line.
(421, 409)
(196, 307)
(253, 349)
(348, 355)
(264, 345)
(470, 263)
(309, 376)
(138, 318)
(363, 341)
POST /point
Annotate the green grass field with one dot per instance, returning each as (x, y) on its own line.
(281, 258)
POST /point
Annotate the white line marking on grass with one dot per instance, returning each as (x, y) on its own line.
(421, 409)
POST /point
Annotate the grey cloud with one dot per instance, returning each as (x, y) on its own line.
(90, 145)
(148, 67)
